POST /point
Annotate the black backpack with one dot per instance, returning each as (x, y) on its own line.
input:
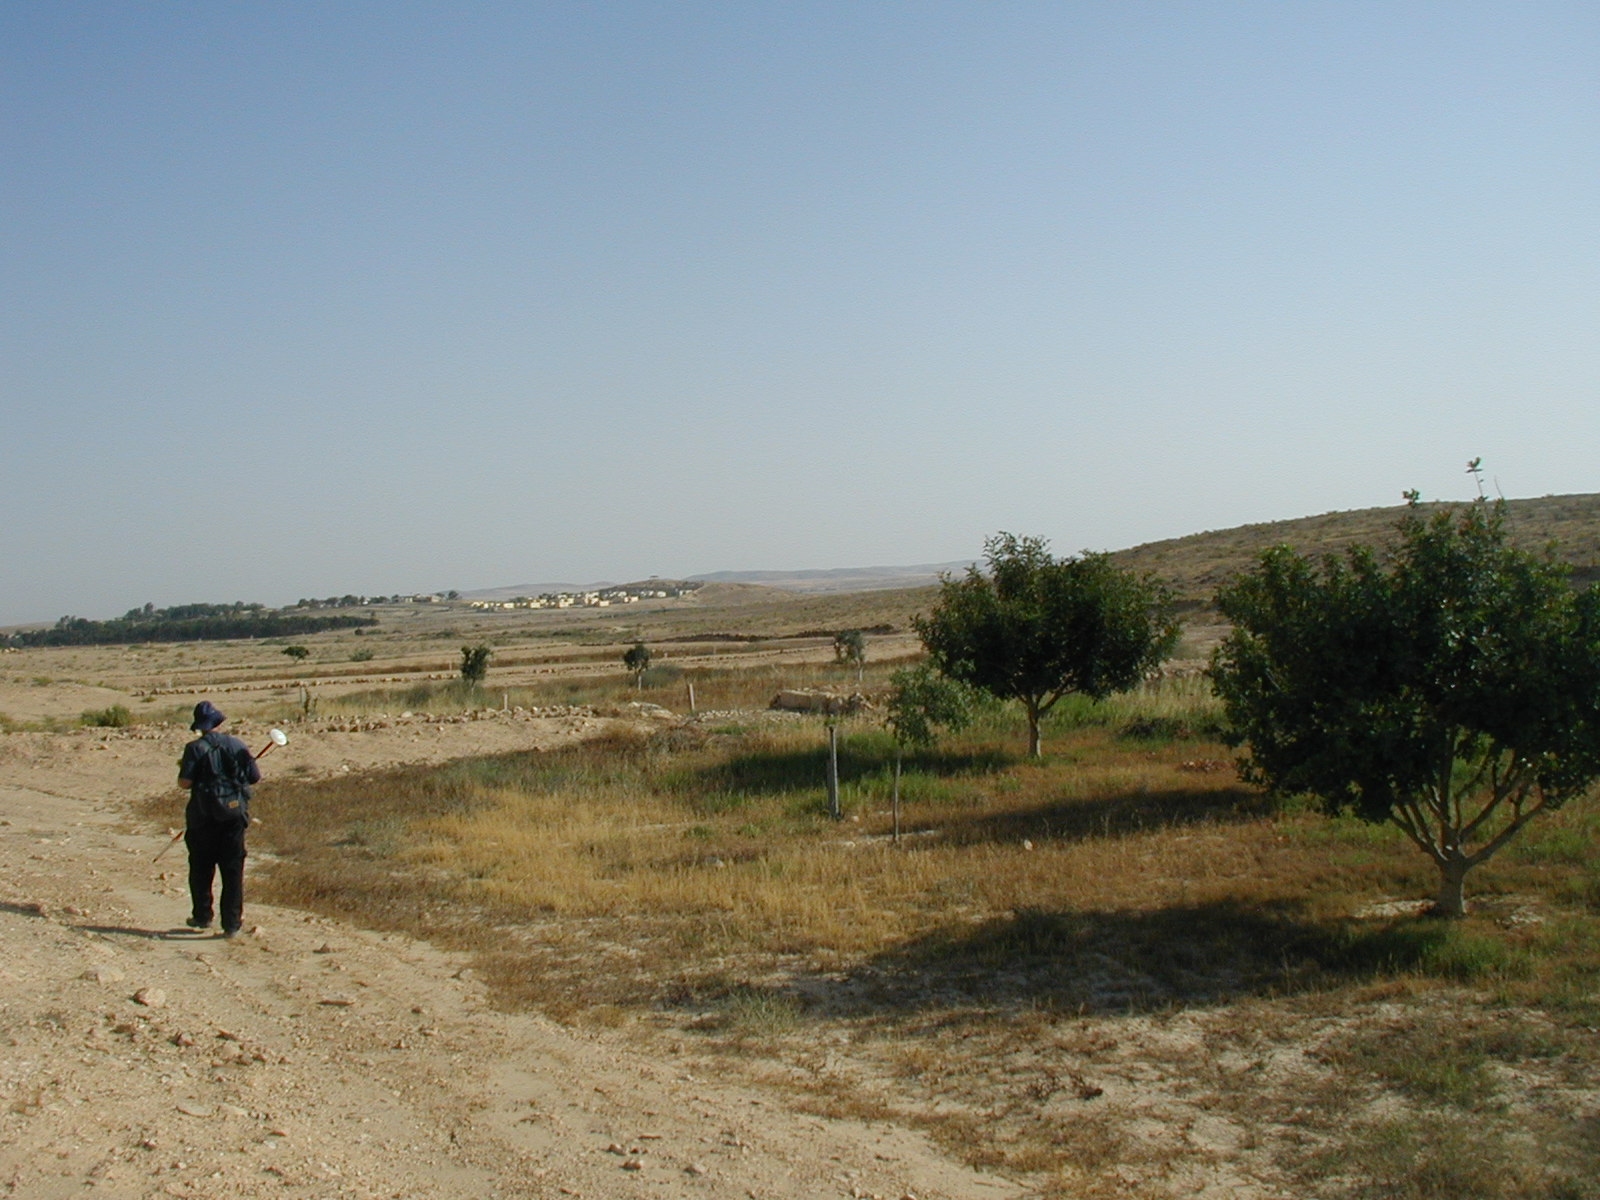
(224, 797)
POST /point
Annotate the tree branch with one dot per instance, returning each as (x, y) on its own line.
(1510, 831)
(1412, 822)
(1513, 787)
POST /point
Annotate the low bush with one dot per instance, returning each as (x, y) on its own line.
(118, 716)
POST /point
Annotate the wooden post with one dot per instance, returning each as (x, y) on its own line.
(895, 802)
(834, 810)
(691, 697)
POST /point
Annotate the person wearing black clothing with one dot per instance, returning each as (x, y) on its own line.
(218, 771)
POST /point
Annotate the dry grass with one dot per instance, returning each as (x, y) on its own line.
(1057, 961)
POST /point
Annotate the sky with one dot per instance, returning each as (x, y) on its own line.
(302, 299)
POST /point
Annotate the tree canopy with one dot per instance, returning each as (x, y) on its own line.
(637, 659)
(850, 648)
(1451, 686)
(1033, 628)
(475, 663)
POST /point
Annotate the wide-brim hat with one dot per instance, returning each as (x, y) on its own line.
(207, 716)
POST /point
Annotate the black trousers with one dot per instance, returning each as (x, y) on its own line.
(214, 849)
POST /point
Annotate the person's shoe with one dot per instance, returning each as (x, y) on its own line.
(228, 933)
(192, 923)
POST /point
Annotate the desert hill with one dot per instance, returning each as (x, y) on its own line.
(1194, 565)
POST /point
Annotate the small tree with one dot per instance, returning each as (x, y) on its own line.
(298, 653)
(1451, 686)
(1034, 628)
(475, 663)
(921, 703)
(850, 648)
(637, 660)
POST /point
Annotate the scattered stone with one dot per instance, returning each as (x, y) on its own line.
(191, 1108)
(150, 997)
(695, 1168)
(633, 1164)
(181, 1039)
(105, 974)
(336, 1001)
(325, 948)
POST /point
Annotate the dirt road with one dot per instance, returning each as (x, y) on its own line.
(311, 1059)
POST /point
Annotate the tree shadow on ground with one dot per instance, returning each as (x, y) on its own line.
(1115, 814)
(790, 770)
(1039, 960)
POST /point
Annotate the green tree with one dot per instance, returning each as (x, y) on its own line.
(475, 663)
(637, 659)
(850, 649)
(921, 702)
(1033, 628)
(298, 653)
(1451, 686)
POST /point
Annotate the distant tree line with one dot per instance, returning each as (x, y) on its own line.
(184, 623)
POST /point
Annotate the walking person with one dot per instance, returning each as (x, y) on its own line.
(218, 770)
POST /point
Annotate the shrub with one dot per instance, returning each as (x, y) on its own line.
(116, 717)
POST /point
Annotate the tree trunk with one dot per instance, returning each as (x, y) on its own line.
(1033, 732)
(1451, 901)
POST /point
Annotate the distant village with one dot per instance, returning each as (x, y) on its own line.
(603, 598)
(598, 598)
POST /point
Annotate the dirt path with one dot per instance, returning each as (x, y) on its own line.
(311, 1059)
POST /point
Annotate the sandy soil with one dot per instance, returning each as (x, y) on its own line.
(312, 1059)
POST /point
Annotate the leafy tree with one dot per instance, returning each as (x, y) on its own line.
(637, 659)
(298, 653)
(1451, 686)
(1033, 628)
(920, 703)
(850, 647)
(475, 663)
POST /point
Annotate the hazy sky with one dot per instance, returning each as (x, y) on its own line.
(300, 299)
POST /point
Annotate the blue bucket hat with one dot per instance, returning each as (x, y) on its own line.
(207, 716)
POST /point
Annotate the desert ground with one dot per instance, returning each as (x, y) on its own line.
(308, 1058)
(313, 1057)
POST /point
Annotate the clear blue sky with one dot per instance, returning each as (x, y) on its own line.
(300, 299)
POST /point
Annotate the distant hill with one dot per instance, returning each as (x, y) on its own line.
(1194, 566)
